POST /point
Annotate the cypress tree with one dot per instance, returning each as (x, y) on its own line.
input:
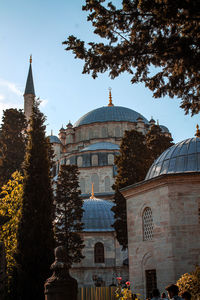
(157, 142)
(12, 143)
(132, 164)
(35, 232)
(69, 213)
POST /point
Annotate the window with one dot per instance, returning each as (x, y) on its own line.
(117, 131)
(104, 132)
(82, 185)
(99, 253)
(107, 184)
(147, 224)
(95, 181)
(151, 282)
(90, 134)
(95, 160)
(79, 161)
(110, 159)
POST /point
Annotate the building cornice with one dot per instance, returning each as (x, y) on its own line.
(160, 181)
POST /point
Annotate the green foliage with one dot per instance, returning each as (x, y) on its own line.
(139, 34)
(12, 143)
(69, 213)
(35, 232)
(132, 164)
(10, 206)
(157, 142)
(190, 282)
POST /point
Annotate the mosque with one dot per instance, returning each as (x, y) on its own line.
(163, 210)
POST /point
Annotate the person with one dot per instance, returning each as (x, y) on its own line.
(173, 291)
(163, 296)
(186, 295)
(156, 294)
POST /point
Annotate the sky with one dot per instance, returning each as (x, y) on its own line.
(39, 27)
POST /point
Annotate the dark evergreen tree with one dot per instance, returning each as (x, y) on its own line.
(157, 141)
(132, 164)
(69, 213)
(12, 143)
(35, 232)
(139, 34)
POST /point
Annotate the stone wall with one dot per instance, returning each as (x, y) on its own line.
(112, 267)
(175, 246)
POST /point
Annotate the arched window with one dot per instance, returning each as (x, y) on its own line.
(79, 161)
(107, 184)
(147, 224)
(110, 159)
(104, 132)
(95, 180)
(117, 131)
(98, 253)
(94, 160)
(90, 134)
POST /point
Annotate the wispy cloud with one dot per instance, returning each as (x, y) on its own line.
(43, 102)
(10, 96)
(11, 86)
(2, 97)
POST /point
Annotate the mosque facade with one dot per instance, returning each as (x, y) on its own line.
(163, 210)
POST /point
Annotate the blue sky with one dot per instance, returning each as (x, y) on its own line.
(39, 27)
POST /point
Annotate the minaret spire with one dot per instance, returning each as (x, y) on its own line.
(197, 134)
(92, 194)
(29, 93)
(110, 98)
(29, 82)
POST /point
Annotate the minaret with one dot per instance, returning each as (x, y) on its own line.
(29, 94)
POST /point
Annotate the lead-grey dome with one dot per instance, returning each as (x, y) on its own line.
(101, 146)
(183, 157)
(54, 139)
(97, 215)
(109, 114)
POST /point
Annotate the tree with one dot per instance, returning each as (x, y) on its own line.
(69, 213)
(10, 208)
(35, 232)
(12, 143)
(157, 142)
(134, 154)
(190, 282)
(142, 34)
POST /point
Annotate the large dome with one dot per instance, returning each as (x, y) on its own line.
(109, 114)
(97, 215)
(183, 157)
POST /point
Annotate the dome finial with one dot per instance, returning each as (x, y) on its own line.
(30, 60)
(92, 194)
(51, 132)
(110, 97)
(197, 134)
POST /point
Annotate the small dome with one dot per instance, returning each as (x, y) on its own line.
(182, 157)
(54, 139)
(97, 215)
(164, 128)
(101, 146)
(110, 114)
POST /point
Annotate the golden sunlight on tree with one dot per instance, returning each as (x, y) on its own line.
(10, 206)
